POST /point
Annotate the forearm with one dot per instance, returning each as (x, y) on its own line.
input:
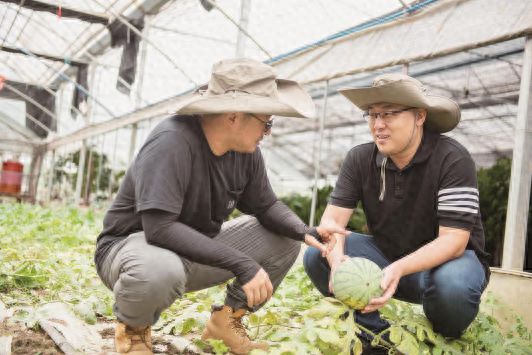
(338, 251)
(448, 245)
(163, 230)
(336, 216)
(283, 221)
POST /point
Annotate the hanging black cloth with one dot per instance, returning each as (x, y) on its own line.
(123, 35)
(81, 79)
(39, 95)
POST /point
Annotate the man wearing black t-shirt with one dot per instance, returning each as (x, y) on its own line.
(166, 232)
(419, 193)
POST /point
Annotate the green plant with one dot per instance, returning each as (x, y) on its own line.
(47, 255)
(494, 186)
(301, 205)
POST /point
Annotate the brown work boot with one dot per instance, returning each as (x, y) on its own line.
(226, 325)
(133, 341)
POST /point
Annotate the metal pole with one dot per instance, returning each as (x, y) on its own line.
(35, 172)
(318, 159)
(112, 165)
(51, 172)
(245, 7)
(81, 172)
(519, 195)
(100, 165)
(86, 198)
(243, 30)
(138, 88)
(132, 142)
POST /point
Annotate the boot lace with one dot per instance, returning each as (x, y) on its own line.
(236, 324)
(139, 336)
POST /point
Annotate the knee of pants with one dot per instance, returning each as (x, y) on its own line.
(451, 304)
(311, 259)
(293, 248)
(317, 270)
(154, 279)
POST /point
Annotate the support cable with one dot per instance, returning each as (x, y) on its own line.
(13, 22)
(46, 88)
(242, 29)
(82, 50)
(62, 75)
(124, 21)
(31, 100)
(94, 60)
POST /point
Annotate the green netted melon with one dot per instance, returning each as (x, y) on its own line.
(356, 281)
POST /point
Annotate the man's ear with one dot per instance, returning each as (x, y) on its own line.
(421, 116)
(231, 118)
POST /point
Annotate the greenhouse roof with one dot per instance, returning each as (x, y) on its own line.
(470, 50)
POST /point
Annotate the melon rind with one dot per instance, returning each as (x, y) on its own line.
(356, 281)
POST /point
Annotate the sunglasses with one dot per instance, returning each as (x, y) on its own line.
(267, 125)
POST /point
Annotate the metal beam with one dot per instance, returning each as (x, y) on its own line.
(165, 107)
(65, 11)
(20, 129)
(100, 41)
(367, 79)
(519, 196)
(317, 162)
(43, 56)
(16, 145)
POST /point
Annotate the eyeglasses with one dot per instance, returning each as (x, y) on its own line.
(386, 116)
(267, 125)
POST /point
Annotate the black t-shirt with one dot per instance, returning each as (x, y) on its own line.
(175, 171)
(437, 188)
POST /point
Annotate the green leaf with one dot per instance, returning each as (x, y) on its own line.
(396, 334)
(328, 336)
(218, 346)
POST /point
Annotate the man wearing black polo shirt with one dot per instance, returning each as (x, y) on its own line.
(166, 232)
(419, 192)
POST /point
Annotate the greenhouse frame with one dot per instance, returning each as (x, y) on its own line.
(82, 83)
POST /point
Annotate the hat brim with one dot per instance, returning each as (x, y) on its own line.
(443, 114)
(292, 101)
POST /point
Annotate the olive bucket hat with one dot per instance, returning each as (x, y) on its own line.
(246, 85)
(443, 114)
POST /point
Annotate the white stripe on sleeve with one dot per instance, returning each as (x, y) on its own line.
(457, 209)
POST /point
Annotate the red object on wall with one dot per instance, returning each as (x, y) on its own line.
(11, 177)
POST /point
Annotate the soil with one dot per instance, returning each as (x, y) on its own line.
(29, 342)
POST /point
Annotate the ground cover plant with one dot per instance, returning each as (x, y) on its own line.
(46, 256)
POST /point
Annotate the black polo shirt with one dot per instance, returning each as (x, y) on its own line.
(437, 188)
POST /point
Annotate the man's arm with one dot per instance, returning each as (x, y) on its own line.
(283, 221)
(450, 244)
(162, 229)
(336, 216)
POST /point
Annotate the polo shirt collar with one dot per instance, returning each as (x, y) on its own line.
(428, 142)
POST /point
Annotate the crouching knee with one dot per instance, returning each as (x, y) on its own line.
(156, 280)
(451, 307)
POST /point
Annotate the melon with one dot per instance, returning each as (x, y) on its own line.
(356, 281)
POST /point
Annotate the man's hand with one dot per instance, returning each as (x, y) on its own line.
(328, 235)
(259, 289)
(389, 282)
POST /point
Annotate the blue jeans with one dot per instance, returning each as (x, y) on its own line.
(450, 293)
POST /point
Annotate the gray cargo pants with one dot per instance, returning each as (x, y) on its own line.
(147, 279)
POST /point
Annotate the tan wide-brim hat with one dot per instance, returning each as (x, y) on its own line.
(443, 114)
(246, 85)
